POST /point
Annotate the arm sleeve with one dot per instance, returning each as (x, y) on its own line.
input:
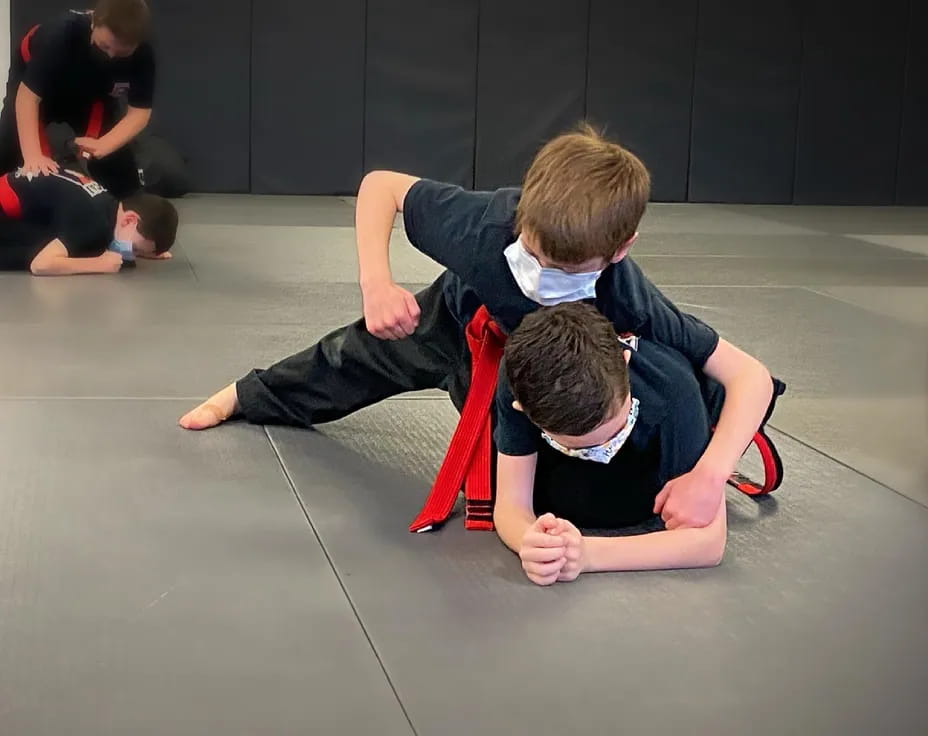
(444, 221)
(142, 84)
(514, 433)
(50, 51)
(661, 321)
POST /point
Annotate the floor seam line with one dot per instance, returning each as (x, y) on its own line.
(847, 466)
(341, 583)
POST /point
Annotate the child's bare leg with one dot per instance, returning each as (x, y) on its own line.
(214, 411)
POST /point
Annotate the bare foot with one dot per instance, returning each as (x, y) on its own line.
(214, 411)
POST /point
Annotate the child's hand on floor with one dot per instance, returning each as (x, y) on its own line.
(543, 554)
(574, 551)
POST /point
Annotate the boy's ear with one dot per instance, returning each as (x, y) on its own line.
(517, 406)
(623, 251)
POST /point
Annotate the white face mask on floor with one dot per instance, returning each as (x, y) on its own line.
(548, 286)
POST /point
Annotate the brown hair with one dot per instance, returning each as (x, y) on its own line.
(127, 19)
(583, 197)
(567, 368)
(157, 219)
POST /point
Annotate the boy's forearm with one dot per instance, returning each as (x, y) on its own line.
(511, 524)
(666, 550)
(63, 266)
(748, 392)
(135, 121)
(27, 122)
(374, 217)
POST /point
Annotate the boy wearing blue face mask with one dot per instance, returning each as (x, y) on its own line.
(601, 425)
(66, 223)
(563, 237)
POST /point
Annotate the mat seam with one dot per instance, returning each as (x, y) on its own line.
(341, 583)
(844, 465)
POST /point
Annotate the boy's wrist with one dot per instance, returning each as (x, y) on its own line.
(713, 472)
(375, 278)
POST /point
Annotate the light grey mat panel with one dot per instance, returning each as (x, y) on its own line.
(158, 582)
(814, 623)
(857, 374)
(230, 209)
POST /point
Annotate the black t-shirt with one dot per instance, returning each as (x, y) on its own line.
(669, 437)
(68, 72)
(468, 232)
(66, 206)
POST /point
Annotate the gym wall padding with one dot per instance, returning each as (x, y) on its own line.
(531, 82)
(803, 101)
(850, 101)
(912, 179)
(421, 82)
(745, 102)
(26, 13)
(201, 102)
(307, 97)
(641, 83)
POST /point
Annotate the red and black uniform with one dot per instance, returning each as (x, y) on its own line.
(66, 206)
(78, 85)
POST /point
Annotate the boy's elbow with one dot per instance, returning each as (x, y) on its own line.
(40, 267)
(712, 550)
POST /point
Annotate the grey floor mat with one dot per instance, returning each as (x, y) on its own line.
(158, 582)
(807, 627)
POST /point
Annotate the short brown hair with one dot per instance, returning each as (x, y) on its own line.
(567, 368)
(157, 219)
(128, 19)
(583, 197)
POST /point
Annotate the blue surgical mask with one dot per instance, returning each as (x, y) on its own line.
(605, 452)
(124, 248)
(548, 286)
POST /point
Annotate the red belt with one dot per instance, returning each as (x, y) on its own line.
(773, 469)
(469, 455)
(9, 200)
(24, 50)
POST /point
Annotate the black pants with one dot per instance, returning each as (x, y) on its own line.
(118, 172)
(350, 369)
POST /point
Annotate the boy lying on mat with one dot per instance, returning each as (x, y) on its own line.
(592, 430)
(66, 223)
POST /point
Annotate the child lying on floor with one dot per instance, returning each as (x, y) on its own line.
(592, 430)
(66, 223)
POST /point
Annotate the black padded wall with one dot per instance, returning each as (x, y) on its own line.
(850, 101)
(307, 96)
(26, 13)
(805, 101)
(201, 102)
(421, 80)
(641, 83)
(531, 82)
(912, 179)
(745, 102)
